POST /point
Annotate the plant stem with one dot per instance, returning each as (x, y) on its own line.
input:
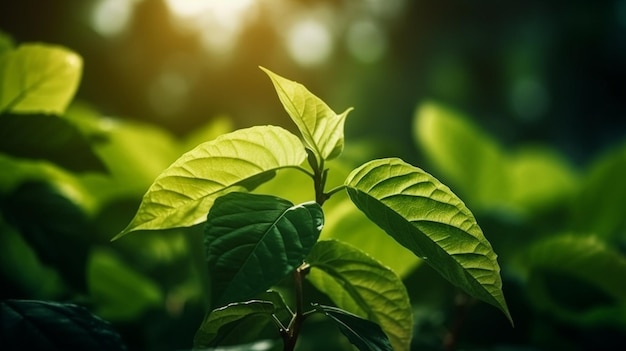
(293, 330)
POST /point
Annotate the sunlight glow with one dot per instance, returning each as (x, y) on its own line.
(218, 22)
(111, 17)
(366, 41)
(309, 42)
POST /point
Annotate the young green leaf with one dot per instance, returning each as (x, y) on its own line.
(36, 78)
(253, 241)
(321, 127)
(359, 284)
(183, 193)
(224, 315)
(425, 216)
(364, 334)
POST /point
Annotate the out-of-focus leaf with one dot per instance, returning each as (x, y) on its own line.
(25, 273)
(47, 138)
(585, 260)
(230, 313)
(321, 127)
(6, 43)
(38, 78)
(470, 160)
(118, 291)
(599, 208)
(216, 127)
(359, 284)
(253, 241)
(424, 216)
(364, 334)
(41, 325)
(182, 195)
(54, 227)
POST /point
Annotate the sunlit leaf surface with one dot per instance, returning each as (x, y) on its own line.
(37, 78)
(182, 195)
(359, 284)
(424, 216)
(362, 333)
(253, 241)
(321, 127)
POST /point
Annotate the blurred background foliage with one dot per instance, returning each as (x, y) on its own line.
(518, 107)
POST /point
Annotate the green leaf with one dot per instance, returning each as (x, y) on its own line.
(118, 291)
(364, 334)
(44, 138)
(599, 207)
(6, 43)
(42, 325)
(37, 78)
(233, 312)
(253, 241)
(321, 127)
(469, 159)
(183, 193)
(587, 261)
(359, 284)
(424, 216)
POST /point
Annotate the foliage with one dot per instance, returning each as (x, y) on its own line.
(275, 236)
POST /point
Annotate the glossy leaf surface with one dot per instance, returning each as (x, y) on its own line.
(253, 241)
(364, 334)
(36, 78)
(233, 312)
(424, 216)
(321, 127)
(183, 193)
(359, 284)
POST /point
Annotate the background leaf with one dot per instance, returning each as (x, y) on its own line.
(224, 315)
(321, 127)
(37, 78)
(48, 138)
(364, 334)
(424, 216)
(184, 192)
(253, 241)
(41, 325)
(359, 284)
(561, 264)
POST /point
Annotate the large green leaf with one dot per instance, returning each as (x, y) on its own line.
(577, 262)
(321, 127)
(424, 216)
(253, 241)
(359, 284)
(364, 334)
(37, 78)
(222, 316)
(183, 193)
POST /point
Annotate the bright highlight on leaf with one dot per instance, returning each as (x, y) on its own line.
(359, 284)
(36, 78)
(425, 216)
(253, 241)
(182, 195)
(321, 127)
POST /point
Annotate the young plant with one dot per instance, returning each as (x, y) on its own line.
(254, 241)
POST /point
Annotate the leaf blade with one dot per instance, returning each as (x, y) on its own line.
(37, 78)
(425, 216)
(253, 241)
(359, 284)
(183, 193)
(321, 127)
(364, 334)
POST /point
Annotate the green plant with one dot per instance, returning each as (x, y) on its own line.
(256, 241)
